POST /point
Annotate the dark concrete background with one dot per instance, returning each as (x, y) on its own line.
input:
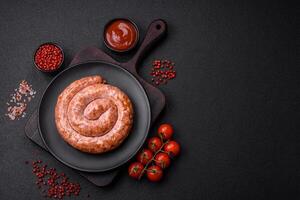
(234, 104)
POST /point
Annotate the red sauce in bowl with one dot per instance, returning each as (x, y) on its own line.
(121, 35)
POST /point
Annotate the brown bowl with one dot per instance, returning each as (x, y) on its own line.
(118, 50)
(58, 67)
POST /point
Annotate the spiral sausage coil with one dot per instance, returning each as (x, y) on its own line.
(92, 116)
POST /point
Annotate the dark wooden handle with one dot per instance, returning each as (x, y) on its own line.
(156, 30)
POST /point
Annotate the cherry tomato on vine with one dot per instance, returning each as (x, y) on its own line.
(144, 156)
(172, 148)
(154, 144)
(135, 169)
(162, 160)
(154, 173)
(165, 131)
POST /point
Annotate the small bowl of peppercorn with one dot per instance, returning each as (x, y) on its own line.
(48, 57)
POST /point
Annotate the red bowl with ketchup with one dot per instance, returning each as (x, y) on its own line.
(121, 35)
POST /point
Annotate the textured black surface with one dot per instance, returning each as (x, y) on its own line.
(234, 104)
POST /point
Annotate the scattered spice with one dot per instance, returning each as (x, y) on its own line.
(51, 183)
(48, 57)
(162, 71)
(19, 100)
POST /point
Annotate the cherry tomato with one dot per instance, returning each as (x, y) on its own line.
(172, 148)
(154, 173)
(162, 160)
(144, 156)
(154, 144)
(135, 169)
(165, 131)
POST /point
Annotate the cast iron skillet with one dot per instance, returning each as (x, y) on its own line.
(116, 74)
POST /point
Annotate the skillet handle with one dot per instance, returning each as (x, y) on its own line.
(156, 30)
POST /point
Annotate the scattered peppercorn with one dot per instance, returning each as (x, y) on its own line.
(162, 71)
(53, 184)
(48, 57)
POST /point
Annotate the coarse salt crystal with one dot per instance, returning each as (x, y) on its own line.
(19, 104)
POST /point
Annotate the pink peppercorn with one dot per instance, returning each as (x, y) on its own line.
(162, 71)
(48, 57)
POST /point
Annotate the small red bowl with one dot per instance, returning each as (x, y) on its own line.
(58, 66)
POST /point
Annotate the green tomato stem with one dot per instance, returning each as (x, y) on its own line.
(152, 159)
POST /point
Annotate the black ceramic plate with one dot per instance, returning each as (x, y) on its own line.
(68, 155)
